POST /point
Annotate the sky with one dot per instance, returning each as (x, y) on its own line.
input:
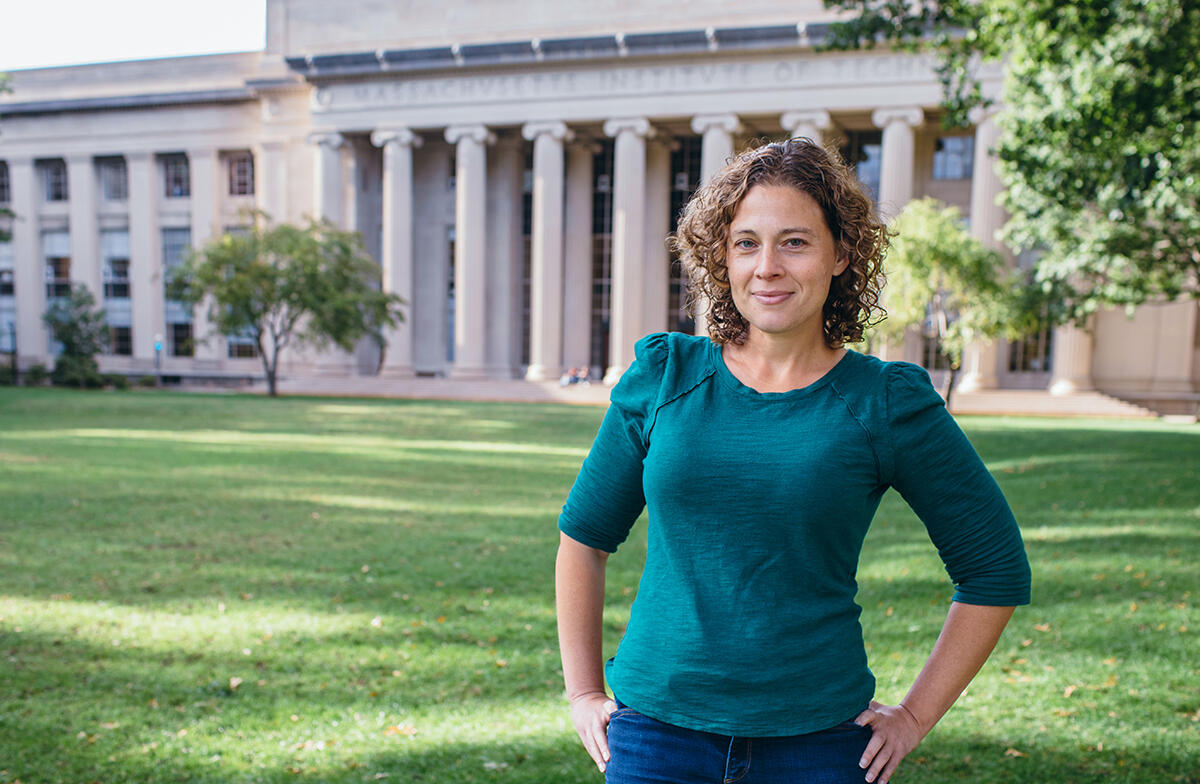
(40, 33)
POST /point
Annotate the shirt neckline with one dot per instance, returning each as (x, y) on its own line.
(734, 383)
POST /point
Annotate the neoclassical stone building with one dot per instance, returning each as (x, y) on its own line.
(515, 167)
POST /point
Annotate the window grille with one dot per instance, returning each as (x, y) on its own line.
(954, 158)
(176, 177)
(54, 178)
(241, 174)
(114, 179)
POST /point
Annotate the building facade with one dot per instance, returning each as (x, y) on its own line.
(514, 168)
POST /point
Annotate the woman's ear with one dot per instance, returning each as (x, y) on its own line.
(842, 263)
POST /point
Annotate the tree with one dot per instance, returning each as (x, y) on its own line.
(311, 284)
(945, 281)
(82, 331)
(1100, 143)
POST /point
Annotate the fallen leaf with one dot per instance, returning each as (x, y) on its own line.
(1042, 627)
(234, 682)
(1067, 692)
(1014, 753)
(377, 622)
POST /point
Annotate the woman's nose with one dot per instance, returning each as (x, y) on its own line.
(768, 265)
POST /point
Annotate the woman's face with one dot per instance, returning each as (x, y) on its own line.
(781, 258)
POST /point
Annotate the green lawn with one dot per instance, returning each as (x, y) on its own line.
(235, 589)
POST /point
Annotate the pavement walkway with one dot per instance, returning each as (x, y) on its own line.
(998, 402)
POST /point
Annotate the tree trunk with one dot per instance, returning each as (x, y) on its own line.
(269, 371)
(950, 385)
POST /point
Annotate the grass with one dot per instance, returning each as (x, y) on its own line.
(236, 589)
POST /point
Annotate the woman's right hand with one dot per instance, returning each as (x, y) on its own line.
(590, 714)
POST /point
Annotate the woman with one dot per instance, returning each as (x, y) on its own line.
(761, 453)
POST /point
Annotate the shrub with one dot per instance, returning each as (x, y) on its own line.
(118, 381)
(36, 375)
(76, 371)
(148, 381)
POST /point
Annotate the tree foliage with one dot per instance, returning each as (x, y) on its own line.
(1100, 143)
(82, 331)
(285, 284)
(946, 282)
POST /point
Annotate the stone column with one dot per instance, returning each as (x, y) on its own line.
(1072, 361)
(397, 262)
(577, 257)
(205, 170)
(429, 312)
(1175, 353)
(628, 240)
(145, 258)
(896, 174)
(981, 358)
(29, 266)
(271, 180)
(85, 232)
(470, 249)
(813, 124)
(327, 176)
(896, 190)
(657, 280)
(546, 253)
(350, 175)
(505, 256)
(716, 147)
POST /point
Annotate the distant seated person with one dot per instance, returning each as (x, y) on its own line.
(575, 375)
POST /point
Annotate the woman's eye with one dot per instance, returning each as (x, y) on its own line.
(744, 244)
(796, 242)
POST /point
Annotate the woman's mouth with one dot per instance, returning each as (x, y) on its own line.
(771, 297)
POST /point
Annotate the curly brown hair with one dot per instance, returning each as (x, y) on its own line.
(702, 237)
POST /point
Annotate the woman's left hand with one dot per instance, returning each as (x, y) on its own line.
(895, 732)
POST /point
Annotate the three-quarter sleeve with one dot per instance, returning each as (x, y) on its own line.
(607, 496)
(941, 477)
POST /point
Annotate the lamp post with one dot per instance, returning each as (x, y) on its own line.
(158, 346)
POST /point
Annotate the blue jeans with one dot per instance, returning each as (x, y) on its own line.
(648, 751)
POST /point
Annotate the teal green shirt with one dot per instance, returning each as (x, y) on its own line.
(745, 621)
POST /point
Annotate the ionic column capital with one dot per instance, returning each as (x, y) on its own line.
(726, 122)
(554, 129)
(403, 137)
(332, 140)
(477, 133)
(911, 116)
(638, 126)
(808, 118)
(978, 115)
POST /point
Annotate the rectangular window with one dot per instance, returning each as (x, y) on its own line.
(177, 182)
(114, 253)
(864, 151)
(180, 336)
(954, 158)
(114, 179)
(5, 187)
(120, 341)
(7, 280)
(116, 279)
(241, 174)
(56, 250)
(176, 243)
(241, 347)
(54, 179)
